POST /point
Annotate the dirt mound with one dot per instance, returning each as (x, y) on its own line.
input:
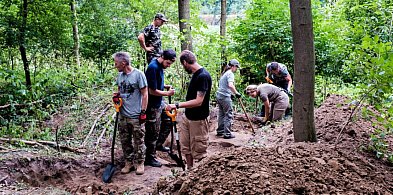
(336, 164)
(297, 169)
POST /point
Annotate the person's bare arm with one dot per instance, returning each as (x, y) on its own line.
(157, 92)
(144, 98)
(141, 40)
(289, 79)
(232, 87)
(190, 103)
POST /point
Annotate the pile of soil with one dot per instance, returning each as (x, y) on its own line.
(337, 164)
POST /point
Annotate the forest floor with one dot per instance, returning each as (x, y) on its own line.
(269, 162)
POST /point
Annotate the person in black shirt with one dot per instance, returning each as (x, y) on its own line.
(194, 127)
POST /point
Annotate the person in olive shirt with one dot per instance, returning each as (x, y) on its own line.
(270, 94)
(194, 127)
(150, 38)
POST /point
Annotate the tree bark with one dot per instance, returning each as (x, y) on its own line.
(22, 43)
(223, 26)
(75, 33)
(304, 78)
(185, 27)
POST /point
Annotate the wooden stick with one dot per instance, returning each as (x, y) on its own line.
(57, 139)
(94, 124)
(40, 143)
(244, 110)
(103, 131)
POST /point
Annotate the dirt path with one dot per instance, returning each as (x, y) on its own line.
(268, 162)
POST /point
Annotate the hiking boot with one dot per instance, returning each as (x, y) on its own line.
(140, 169)
(151, 161)
(162, 148)
(220, 134)
(229, 136)
(127, 167)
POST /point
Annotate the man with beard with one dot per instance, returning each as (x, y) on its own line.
(155, 79)
(194, 127)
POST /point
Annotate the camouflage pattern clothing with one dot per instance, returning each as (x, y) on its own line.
(132, 135)
(152, 39)
(153, 122)
(279, 79)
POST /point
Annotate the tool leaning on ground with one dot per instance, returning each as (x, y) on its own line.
(110, 168)
(244, 110)
(178, 159)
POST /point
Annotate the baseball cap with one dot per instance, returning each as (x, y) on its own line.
(161, 17)
(234, 62)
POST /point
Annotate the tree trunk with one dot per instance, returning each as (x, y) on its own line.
(223, 25)
(75, 32)
(22, 42)
(304, 78)
(185, 27)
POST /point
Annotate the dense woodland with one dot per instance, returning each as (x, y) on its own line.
(56, 55)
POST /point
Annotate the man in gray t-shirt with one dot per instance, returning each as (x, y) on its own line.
(132, 89)
(225, 90)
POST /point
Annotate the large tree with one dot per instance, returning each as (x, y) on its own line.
(185, 27)
(304, 78)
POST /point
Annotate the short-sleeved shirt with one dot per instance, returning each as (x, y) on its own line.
(282, 74)
(153, 39)
(130, 86)
(200, 81)
(223, 87)
(268, 91)
(155, 80)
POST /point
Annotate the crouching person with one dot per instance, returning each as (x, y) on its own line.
(132, 88)
(271, 96)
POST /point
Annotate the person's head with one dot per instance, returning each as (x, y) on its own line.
(233, 65)
(168, 57)
(122, 60)
(251, 90)
(159, 19)
(273, 67)
(187, 59)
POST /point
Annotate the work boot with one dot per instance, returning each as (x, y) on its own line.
(220, 134)
(162, 148)
(151, 161)
(229, 136)
(127, 168)
(140, 169)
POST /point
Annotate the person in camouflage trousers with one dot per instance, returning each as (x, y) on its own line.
(132, 89)
(150, 38)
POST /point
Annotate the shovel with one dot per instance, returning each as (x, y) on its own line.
(244, 110)
(177, 159)
(110, 168)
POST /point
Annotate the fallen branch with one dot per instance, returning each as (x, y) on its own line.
(94, 124)
(4, 178)
(41, 143)
(350, 116)
(103, 131)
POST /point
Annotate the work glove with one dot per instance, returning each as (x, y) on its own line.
(238, 95)
(116, 98)
(142, 117)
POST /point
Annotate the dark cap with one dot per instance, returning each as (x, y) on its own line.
(169, 54)
(161, 17)
(234, 62)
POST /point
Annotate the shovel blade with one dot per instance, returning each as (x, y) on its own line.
(178, 161)
(108, 173)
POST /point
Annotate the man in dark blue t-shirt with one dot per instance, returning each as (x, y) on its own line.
(194, 127)
(155, 80)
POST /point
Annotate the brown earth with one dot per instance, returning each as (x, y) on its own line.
(269, 163)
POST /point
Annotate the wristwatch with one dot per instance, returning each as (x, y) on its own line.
(177, 105)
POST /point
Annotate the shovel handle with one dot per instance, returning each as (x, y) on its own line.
(118, 105)
(172, 114)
